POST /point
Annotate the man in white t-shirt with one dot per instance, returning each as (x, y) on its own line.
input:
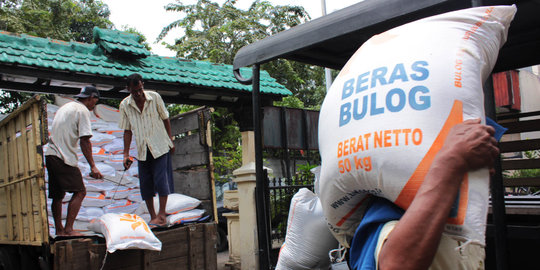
(71, 125)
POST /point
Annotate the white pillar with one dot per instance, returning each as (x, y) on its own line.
(246, 180)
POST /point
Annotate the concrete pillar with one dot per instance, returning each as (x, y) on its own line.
(230, 201)
(245, 178)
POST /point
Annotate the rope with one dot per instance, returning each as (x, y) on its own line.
(104, 260)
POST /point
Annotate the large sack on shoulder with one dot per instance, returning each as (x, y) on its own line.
(125, 231)
(389, 110)
(308, 240)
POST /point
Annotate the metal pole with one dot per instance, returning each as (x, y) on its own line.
(497, 189)
(262, 220)
(327, 71)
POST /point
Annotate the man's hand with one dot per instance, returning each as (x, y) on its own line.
(95, 173)
(471, 145)
(127, 163)
(173, 147)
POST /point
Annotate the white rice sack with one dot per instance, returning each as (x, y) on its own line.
(141, 210)
(80, 226)
(116, 147)
(97, 123)
(177, 203)
(95, 199)
(118, 193)
(98, 185)
(133, 171)
(116, 161)
(100, 139)
(130, 182)
(135, 195)
(185, 217)
(90, 213)
(390, 108)
(107, 113)
(121, 206)
(106, 170)
(112, 129)
(64, 208)
(61, 100)
(308, 240)
(125, 231)
(51, 111)
(98, 154)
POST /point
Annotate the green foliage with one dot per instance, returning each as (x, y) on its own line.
(216, 33)
(58, 19)
(304, 171)
(12, 100)
(227, 151)
(526, 173)
(133, 30)
(176, 109)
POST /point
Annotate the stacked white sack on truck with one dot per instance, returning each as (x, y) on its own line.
(389, 110)
(118, 192)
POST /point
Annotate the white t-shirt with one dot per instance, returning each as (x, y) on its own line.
(452, 253)
(71, 122)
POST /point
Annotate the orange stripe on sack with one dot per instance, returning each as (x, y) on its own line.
(463, 200)
(349, 214)
(408, 193)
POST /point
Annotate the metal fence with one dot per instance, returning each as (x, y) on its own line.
(281, 192)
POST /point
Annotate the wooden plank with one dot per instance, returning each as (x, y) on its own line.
(26, 190)
(210, 246)
(30, 169)
(189, 144)
(185, 122)
(15, 189)
(516, 146)
(191, 248)
(516, 164)
(40, 135)
(211, 169)
(522, 182)
(522, 126)
(5, 207)
(25, 106)
(9, 204)
(189, 161)
(194, 183)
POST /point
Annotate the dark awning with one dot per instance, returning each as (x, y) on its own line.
(331, 40)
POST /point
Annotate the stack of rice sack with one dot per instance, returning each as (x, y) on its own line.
(118, 192)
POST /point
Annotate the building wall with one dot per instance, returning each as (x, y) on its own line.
(529, 84)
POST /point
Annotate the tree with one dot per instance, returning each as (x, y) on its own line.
(57, 19)
(215, 33)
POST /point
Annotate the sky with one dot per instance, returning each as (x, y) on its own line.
(149, 17)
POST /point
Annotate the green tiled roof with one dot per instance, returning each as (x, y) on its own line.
(123, 42)
(98, 59)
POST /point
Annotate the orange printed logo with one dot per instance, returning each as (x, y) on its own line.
(136, 220)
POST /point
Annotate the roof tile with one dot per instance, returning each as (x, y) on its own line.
(97, 59)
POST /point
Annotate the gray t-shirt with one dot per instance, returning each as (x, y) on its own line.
(71, 122)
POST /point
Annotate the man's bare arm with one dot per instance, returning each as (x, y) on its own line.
(127, 142)
(86, 148)
(415, 239)
(167, 124)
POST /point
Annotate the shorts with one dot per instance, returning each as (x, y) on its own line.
(155, 176)
(62, 178)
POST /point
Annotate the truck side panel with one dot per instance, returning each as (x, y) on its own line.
(23, 215)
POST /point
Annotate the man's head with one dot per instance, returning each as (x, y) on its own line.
(135, 86)
(89, 96)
